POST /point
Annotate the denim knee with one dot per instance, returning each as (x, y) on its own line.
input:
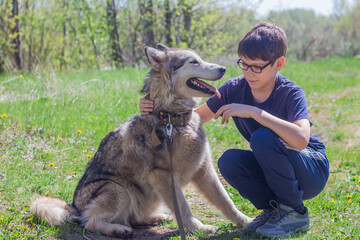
(263, 140)
(225, 163)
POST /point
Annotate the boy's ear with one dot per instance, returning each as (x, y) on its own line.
(155, 57)
(279, 63)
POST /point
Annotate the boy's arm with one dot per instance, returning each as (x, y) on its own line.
(146, 106)
(205, 113)
(296, 134)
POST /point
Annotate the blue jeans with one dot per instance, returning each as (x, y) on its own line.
(272, 171)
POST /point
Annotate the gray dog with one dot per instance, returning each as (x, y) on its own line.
(129, 176)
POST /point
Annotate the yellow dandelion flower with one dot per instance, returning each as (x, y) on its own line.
(47, 153)
(236, 239)
(346, 113)
(342, 177)
(348, 196)
(79, 131)
(89, 155)
(29, 220)
(59, 138)
(359, 181)
(4, 115)
(1, 116)
(26, 229)
(21, 77)
(333, 200)
(1, 219)
(350, 201)
(51, 164)
(75, 173)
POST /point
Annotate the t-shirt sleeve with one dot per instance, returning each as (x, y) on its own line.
(297, 107)
(215, 103)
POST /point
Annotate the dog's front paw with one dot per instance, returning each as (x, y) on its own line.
(196, 225)
(242, 220)
(249, 220)
(209, 229)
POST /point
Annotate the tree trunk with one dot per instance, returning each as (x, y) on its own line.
(147, 18)
(29, 63)
(187, 14)
(2, 68)
(62, 60)
(168, 16)
(116, 52)
(16, 56)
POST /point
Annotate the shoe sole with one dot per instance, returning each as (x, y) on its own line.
(300, 230)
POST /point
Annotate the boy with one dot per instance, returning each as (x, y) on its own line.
(286, 163)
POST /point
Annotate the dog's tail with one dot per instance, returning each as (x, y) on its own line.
(53, 210)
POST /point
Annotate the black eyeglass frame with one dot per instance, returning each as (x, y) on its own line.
(252, 66)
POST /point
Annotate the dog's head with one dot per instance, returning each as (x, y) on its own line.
(178, 73)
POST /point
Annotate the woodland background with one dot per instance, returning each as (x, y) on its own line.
(62, 35)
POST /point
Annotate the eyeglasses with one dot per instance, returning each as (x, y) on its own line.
(255, 69)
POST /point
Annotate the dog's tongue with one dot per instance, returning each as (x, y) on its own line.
(208, 86)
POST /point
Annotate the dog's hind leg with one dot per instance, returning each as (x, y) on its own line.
(109, 229)
(109, 212)
(208, 183)
(160, 180)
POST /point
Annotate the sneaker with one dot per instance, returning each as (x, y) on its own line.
(284, 221)
(260, 220)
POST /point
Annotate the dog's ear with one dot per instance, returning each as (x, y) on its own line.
(147, 85)
(155, 57)
(162, 47)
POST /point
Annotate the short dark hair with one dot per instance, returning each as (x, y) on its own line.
(265, 41)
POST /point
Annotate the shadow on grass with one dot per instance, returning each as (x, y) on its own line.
(72, 231)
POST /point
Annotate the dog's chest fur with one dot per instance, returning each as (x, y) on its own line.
(126, 155)
(187, 141)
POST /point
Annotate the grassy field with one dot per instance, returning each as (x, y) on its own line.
(51, 125)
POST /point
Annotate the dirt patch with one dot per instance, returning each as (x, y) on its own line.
(141, 233)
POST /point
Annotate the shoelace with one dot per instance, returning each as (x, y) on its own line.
(277, 215)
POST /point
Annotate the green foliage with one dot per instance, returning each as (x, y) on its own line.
(6, 35)
(68, 34)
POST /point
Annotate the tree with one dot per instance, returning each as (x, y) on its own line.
(5, 30)
(116, 52)
(147, 18)
(186, 6)
(348, 26)
(306, 32)
(168, 19)
(17, 60)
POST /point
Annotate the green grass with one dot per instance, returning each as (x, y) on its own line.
(42, 152)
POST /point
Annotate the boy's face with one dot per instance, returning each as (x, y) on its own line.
(264, 80)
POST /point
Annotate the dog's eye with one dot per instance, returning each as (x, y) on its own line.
(194, 62)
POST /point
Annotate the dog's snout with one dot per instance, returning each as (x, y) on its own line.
(222, 69)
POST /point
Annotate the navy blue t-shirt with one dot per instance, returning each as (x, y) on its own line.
(287, 101)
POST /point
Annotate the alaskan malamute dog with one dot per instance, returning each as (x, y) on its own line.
(129, 176)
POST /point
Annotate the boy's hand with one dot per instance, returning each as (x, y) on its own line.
(234, 110)
(146, 105)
